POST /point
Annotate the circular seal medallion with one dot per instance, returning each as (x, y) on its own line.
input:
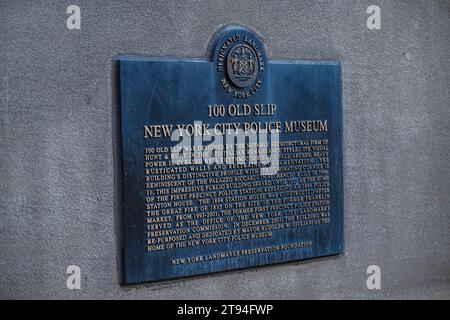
(242, 65)
(239, 60)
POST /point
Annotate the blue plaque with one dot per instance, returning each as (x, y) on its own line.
(228, 162)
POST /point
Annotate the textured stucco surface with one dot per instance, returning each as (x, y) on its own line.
(57, 147)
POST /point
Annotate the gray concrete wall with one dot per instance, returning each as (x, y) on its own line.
(57, 166)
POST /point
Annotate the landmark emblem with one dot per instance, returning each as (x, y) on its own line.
(242, 66)
(240, 63)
